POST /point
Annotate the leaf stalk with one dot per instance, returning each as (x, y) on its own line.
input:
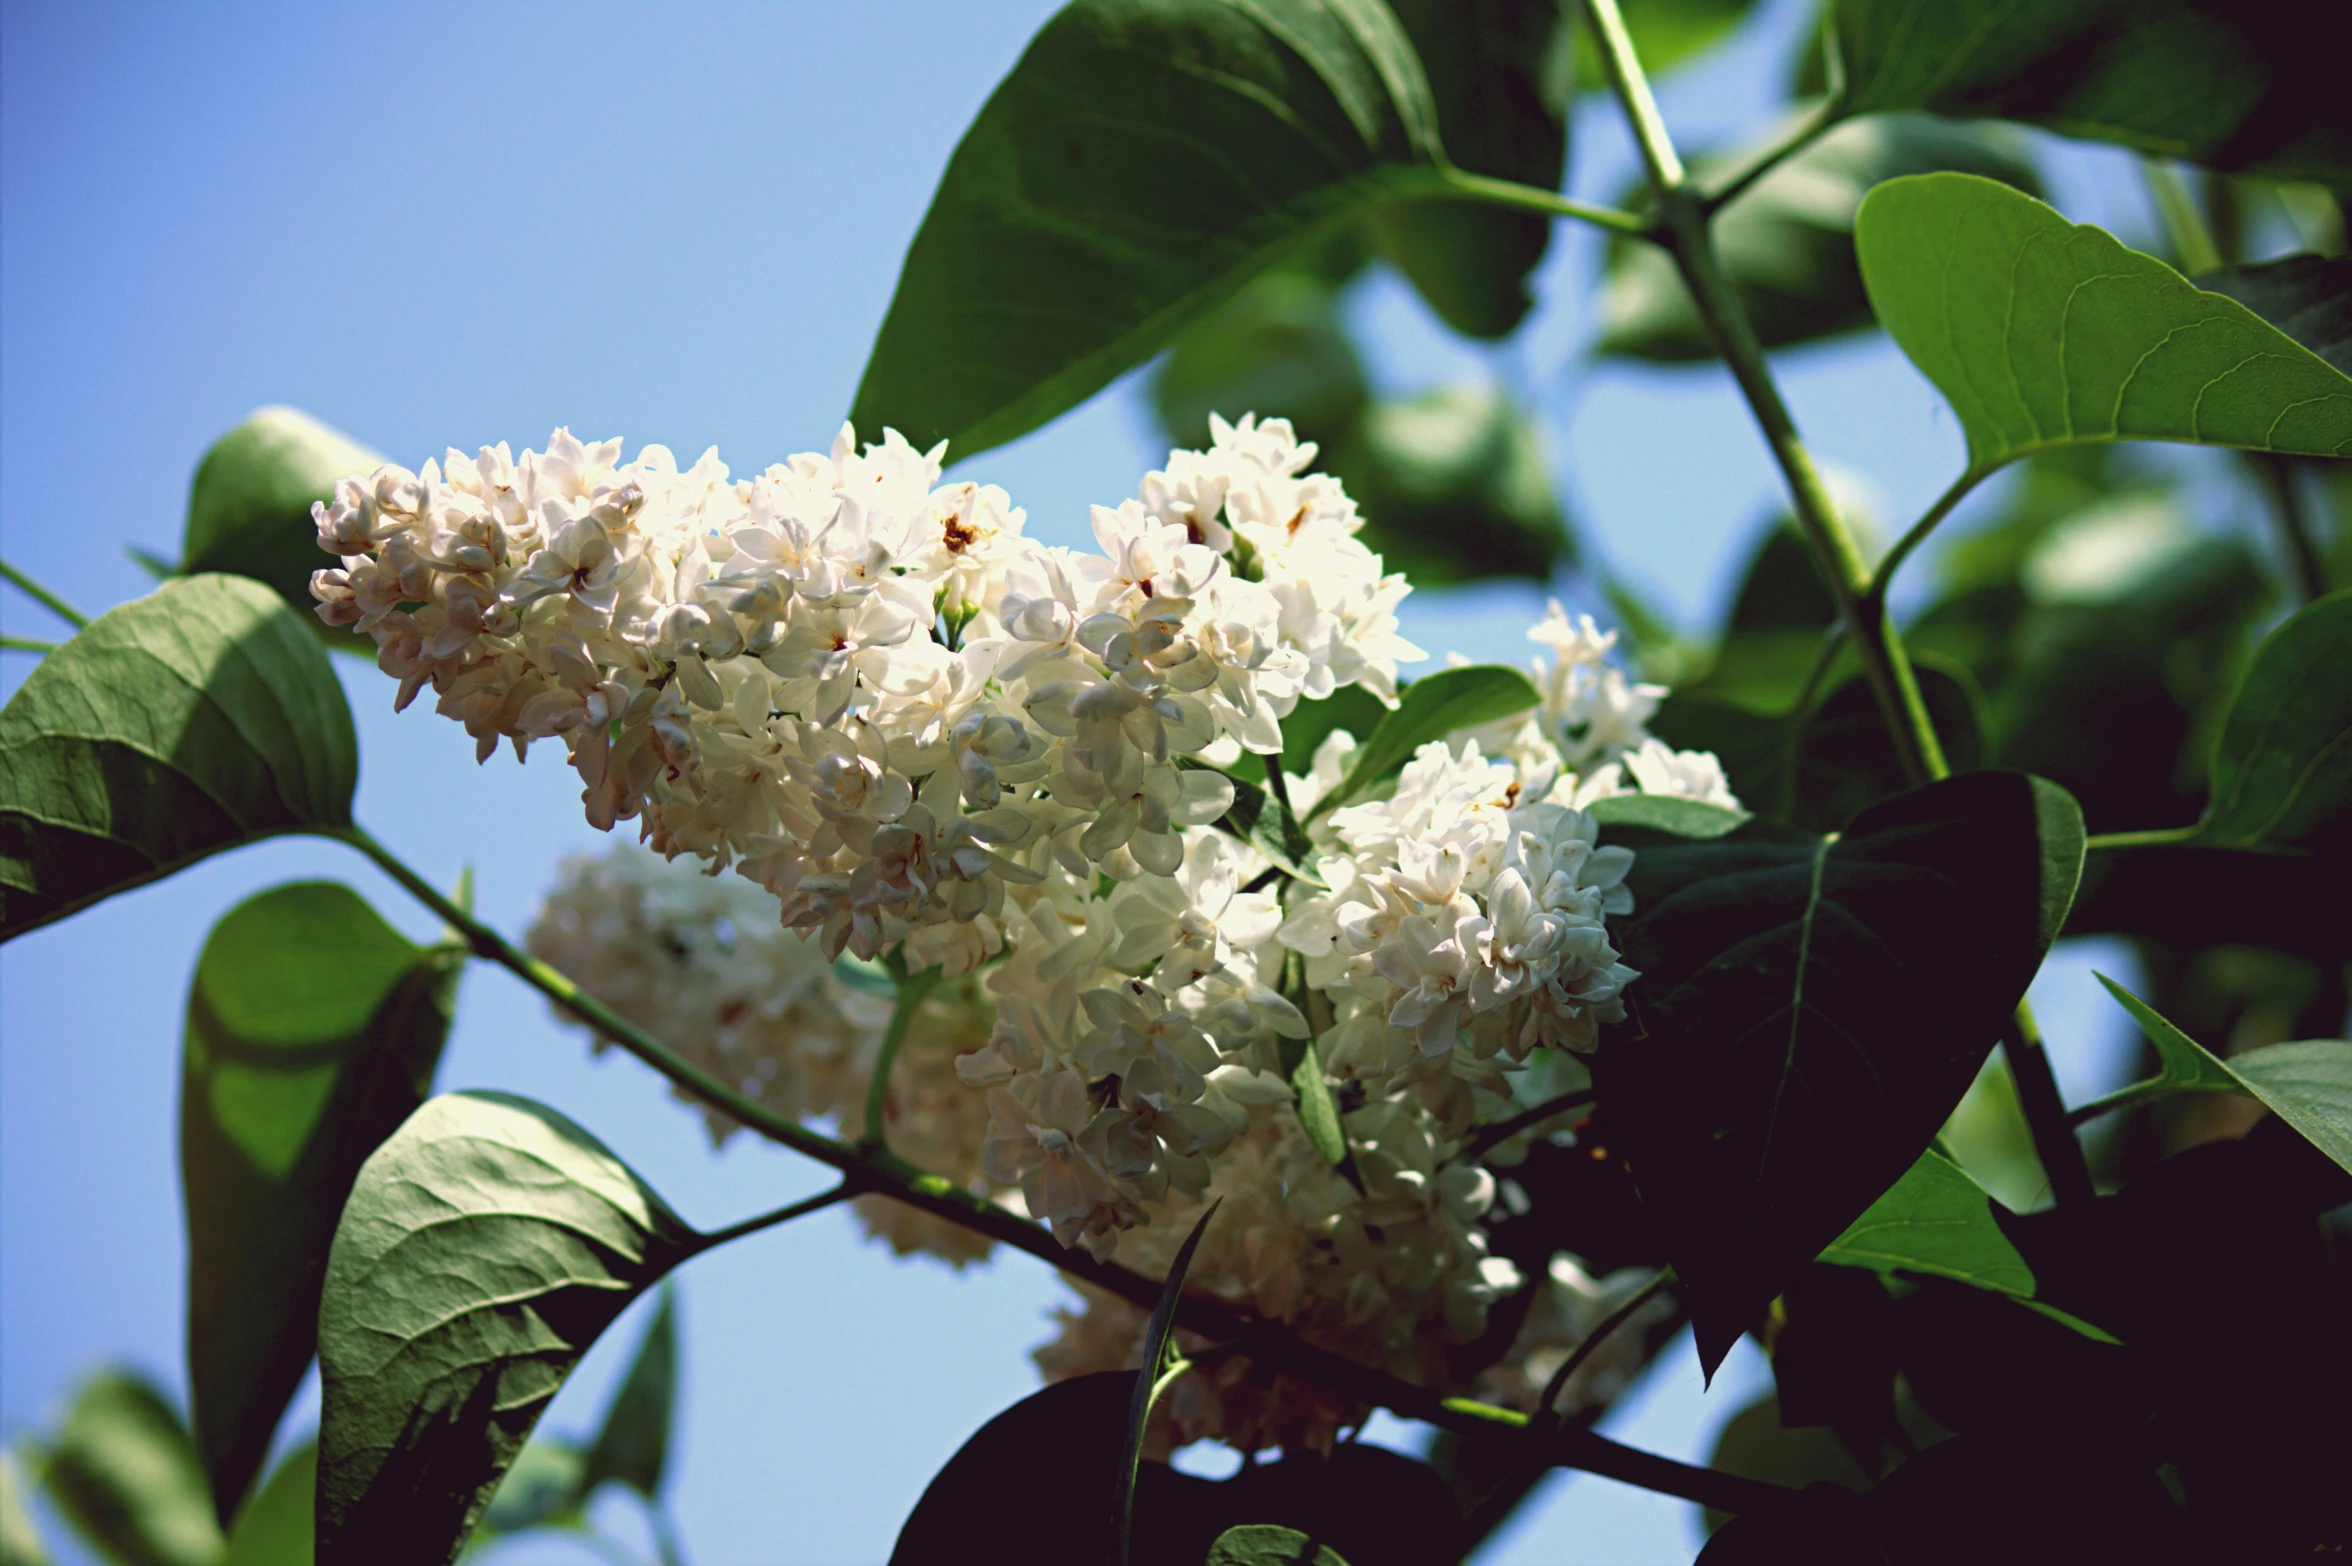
(42, 596)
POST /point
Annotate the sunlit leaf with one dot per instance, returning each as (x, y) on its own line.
(1498, 75)
(294, 1070)
(2235, 84)
(1318, 1111)
(1692, 818)
(1264, 1544)
(1810, 1012)
(483, 1249)
(1143, 160)
(1787, 244)
(1429, 709)
(249, 510)
(2042, 333)
(124, 1473)
(198, 718)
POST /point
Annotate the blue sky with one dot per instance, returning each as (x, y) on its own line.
(435, 225)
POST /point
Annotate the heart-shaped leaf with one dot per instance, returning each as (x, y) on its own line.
(2282, 771)
(1142, 162)
(1498, 76)
(249, 509)
(294, 1070)
(198, 718)
(124, 1473)
(2234, 84)
(1429, 709)
(1812, 1009)
(483, 1249)
(1787, 243)
(2042, 333)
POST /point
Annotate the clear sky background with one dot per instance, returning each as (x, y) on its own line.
(434, 225)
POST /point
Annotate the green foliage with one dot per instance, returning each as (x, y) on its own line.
(1757, 1444)
(2095, 342)
(632, 1447)
(2233, 84)
(1162, 1362)
(1498, 78)
(1815, 1009)
(1429, 709)
(20, 1540)
(1692, 818)
(1277, 347)
(2307, 1084)
(275, 1526)
(123, 1471)
(1787, 243)
(1140, 164)
(1454, 488)
(249, 510)
(1318, 1111)
(2282, 772)
(293, 1071)
(1352, 708)
(198, 718)
(1264, 1544)
(483, 1249)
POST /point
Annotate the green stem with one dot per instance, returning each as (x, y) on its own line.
(801, 1209)
(1883, 579)
(2144, 839)
(2125, 1098)
(1793, 745)
(913, 988)
(882, 1172)
(1884, 661)
(2192, 241)
(1802, 133)
(26, 644)
(1531, 198)
(42, 596)
(1492, 1136)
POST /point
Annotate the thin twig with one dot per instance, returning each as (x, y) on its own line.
(2054, 1140)
(912, 989)
(1493, 1136)
(881, 1172)
(1801, 134)
(2286, 508)
(1593, 1340)
(1530, 198)
(801, 1209)
(42, 596)
(26, 644)
(1882, 580)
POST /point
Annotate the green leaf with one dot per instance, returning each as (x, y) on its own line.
(2307, 297)
(1431, 708)
(198, 718)
(1276, 349)
(1786, 245)
(249, 510)
(2193, 896)
(1937, 1222)
(275, 1526)
(1264, 1544)
(1161, 1363)
(2043, 333)
(633, 1445)
(1144, 159)
(2307, 1083)
(20, 1541)
(2233, 84)
(313, 1031)
(1755, 1445)
(1351, 707)
(1498, 75)
(1256, 818)
(483, 1249)
(2282, 772)
(124, 1473)
(1318, 1111)
(1811, 1010)
(1692, 818)
(541, 1490)
(1454, 487)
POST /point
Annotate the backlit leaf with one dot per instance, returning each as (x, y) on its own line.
(2307, 1083)
(2041, 333)
(198, 718)
(124, 1473)
(249, 509)
(633, 1445)
(294, 1069)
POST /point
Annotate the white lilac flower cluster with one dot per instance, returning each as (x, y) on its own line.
(917, 735)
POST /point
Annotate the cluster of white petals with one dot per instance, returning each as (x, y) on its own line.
(918, 737)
